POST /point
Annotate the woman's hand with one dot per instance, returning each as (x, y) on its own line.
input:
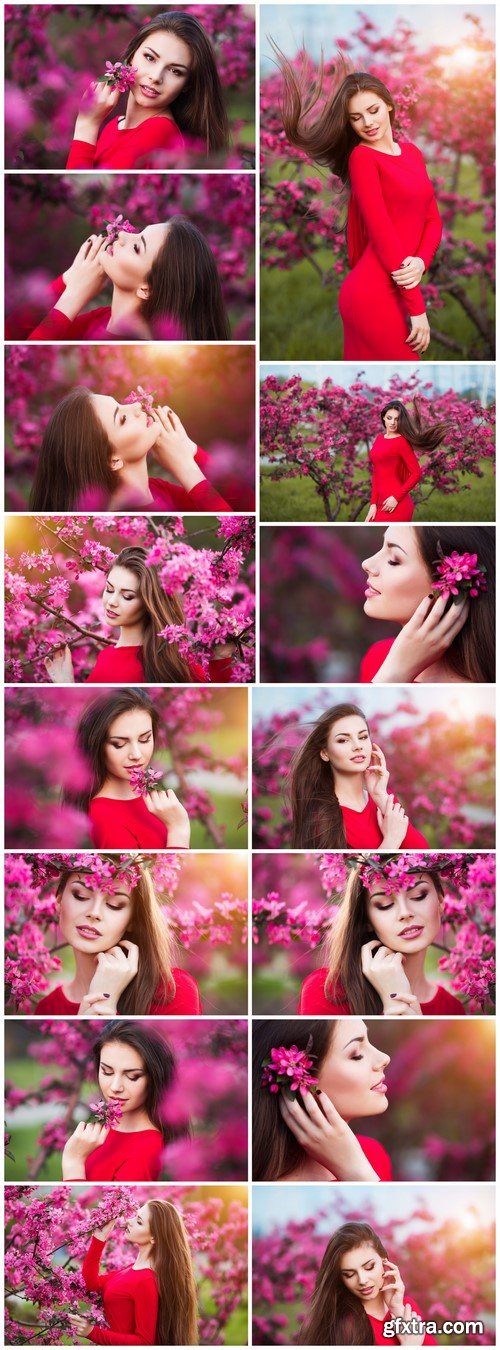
(104, 1232)
(59, 666)
(85, 278)
(175, 450)
(420, 335)
(327, 1137)
(393, 822)
(424, 640)
(384, 969)
(377, 777)
(97, 102)
(82, 1325)
(390, 504)
(393, 1289)
(223, 650)
(114, 971)
(372, 511)
(410, 273)
(166, 806)
(78, 1148)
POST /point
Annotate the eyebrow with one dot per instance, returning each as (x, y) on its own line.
(143, 241)
(348, 1270)
(400, 546)
(178, 64)
(353, 1041)
(408, 888)
(110, 1066)
(115, 413)
(350, 733)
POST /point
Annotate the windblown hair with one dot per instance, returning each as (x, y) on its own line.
(317, 121)
(336, 1316)
(184, 286)
(317, 820)
(348, 934)
(420, 437)
(177, 1322)
(163, 663)
(199, 109)
(74, 457)
(472, 652)
(92, 731)
(159, 1065)
(276, 1151)
(154, 981)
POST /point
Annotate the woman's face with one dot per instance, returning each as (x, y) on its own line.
(129, 743)
(391, 419)
(362, 1271)
(138, 1229)
(122, 1076)
(128, 259)
(398, 578)
(123, 605)
(406, 920)
(369, 116)
(352, 1073)
(93, 921)
(163, 62)
(348, 747)
(126, 426)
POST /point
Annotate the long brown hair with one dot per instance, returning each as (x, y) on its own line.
(472, 653)
(348, 934)
(184, 286)
(154, 980)
(92, 731)
(177, 1321)
(162, 661)
(159, 1066)
(328, 137)
(420, 437)
(276, 1151)
(336, 1316)
(199, 108)
(74, 457)
(317, 820)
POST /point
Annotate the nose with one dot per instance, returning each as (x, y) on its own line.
(371, 565)
(95, 908)
(115, 1084)
(380, 1060)
(135, 753)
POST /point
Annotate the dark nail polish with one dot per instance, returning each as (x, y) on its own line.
(109, 995)
(392, 995)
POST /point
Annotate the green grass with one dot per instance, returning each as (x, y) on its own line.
(295, 499)
(229, 812)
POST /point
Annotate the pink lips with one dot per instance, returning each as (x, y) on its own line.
(150, 93)
(411, 932)
(88, 932)
(381, 1086)
(370, 590)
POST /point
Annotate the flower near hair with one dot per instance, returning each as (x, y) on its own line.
(459, 575)
(106, 1113)
(288, 1067)
(395, 870)
(146, 401)
(145, 780)
(119, 76)
(113, 228)
(97, 871)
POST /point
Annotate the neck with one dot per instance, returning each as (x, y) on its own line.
(124, 305)
(135, 477)
(414, 969)
(376, 1306)
(387, 143)
(143, 1259)
(135, 115)
(349, 789)
(131, 636)
(85, 968)
(132, 1121)
(118, 788)
(439, 673)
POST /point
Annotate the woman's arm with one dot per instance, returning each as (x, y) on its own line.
(365, 184)
(144, 1293)
(98, 101)
(90, 1269)
(411, 463)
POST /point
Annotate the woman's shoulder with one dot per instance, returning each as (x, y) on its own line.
(313, 998)
(443, 1002)
(377, 1155)
(374, 659)
(186, 998)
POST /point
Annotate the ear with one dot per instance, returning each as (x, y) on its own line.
(115, 464)
(324, 755)
(143, 292)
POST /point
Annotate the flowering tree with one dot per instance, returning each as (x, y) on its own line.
(447, 1266)
(54, 592)
(194, 722)
(443, 102)
(296, 903)
(441, 769)
(207, 922)
(210, 387)
(209, 1093)
(48, 1231)
(66, 207)
(324, 433)
(50, 62)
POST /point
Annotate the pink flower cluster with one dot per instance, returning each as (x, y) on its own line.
(288, 1067)
(399, 870)
(106, 1113)
(115, 226)
(145, 780)
(119, 76)
(459, 575)
(147, 401)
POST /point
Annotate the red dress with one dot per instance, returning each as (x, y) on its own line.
(185, 1002)
(125, 824)
(377, 1326)
(363, 831)
(123, 665)
(392, 214)
(128, 149)
(130, 1299)
(314, 1003)
(395, 471)
(132, 1156)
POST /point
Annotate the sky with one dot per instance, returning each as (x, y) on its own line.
(280, 1203)
(292, 24)
(457, 376)
(462, 701)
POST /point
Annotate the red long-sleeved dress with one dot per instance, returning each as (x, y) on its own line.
(185, 1002)
(126, 1156)
(395, 471)
(377, 1325)
(392, 215)
(130, 1299)
(123, 665)
(128, 149)
(363, 831)
(314, 1003)
(125, 824)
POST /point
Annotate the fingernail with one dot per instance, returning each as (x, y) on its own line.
(392, 995)
(106, 996)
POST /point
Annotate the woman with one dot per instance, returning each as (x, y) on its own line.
(122, 951)
(154, 1301)
(377, 949)
(357, 1292)
(395, 467)
(137, 607)
(165, 284)
(393, 224)
(308, 1137)
(115, 737)
(95, 449)
(176, 88)
(443, 638)
(134, 1068)
(338, 789)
